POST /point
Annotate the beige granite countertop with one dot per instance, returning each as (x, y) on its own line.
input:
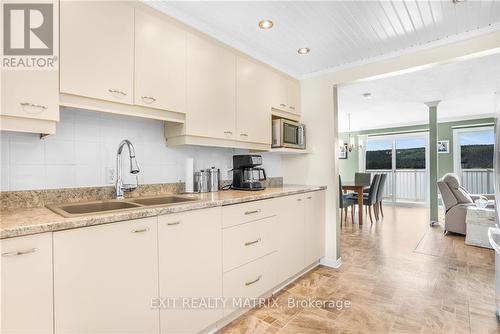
(25, 221)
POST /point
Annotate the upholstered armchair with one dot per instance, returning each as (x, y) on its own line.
(455, 200)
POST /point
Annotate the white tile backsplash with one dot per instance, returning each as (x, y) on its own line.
(22, 177)
(59, 152)
(4, 176)
(86, 143)
(60, 176)
(25, 151)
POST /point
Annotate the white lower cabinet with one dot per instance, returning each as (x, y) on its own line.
(105, 278)
(159, 274)
(314, 233)
(26, 288)
(249, 281)
(247, 242)
(291, 241)
(190, 258)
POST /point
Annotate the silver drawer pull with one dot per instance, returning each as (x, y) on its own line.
(21, 252)
(141, 230)
(254, 281)
(228, 132)
(252, 212)
(310, 197)
(173, 223)
(34, 105)
(282, 105)
(116, 91)
(292, 107)
(243, 134)
(149, 98)
(249, 243)
(299, 199)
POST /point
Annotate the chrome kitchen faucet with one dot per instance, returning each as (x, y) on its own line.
(134, 169)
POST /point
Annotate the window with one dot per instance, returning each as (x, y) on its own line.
(476, 149)
(473, 151)
(410, 153)
(378, 154)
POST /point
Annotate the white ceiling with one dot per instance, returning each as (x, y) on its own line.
(466, 89)
(339, 33)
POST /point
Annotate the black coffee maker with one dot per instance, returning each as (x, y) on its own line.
(246, 174)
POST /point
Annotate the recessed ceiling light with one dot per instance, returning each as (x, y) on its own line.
(303, 51)
(266, 24)
(367, 96)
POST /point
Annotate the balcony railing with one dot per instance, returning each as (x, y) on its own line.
(410, 185)
(478, 181)
(407, 185)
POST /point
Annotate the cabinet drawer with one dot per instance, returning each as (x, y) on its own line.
(241, 213)
(249, 281)
(247, 242)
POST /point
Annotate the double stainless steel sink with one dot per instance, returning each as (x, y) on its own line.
(98, 207)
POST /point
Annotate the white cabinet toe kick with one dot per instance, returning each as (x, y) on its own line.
(186, 272)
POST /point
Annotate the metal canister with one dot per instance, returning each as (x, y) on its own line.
(214, 179)
(201, 181)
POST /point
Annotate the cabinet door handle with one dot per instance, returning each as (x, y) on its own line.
(282, 105)
(116, 91)
(141, 230)
(21, 252)
(243, 134)
(34, 105)
(309, 197)
(149, 98)
(252, 212)
(254, 281)
(292, 107)
(228, 132)
(249, 243)
(173, 223)
(299, 199)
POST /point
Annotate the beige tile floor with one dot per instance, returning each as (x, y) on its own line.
(399, 276)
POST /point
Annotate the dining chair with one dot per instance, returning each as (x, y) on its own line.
(369, 199)
(380, 196)
(362, 178)
(345, 201)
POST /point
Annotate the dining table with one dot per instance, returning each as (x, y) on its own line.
(358, 188)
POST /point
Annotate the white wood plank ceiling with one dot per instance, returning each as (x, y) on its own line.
(339, 33)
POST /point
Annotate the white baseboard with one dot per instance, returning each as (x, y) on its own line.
(336, 264)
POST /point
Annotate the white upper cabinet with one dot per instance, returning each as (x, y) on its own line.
(253, 101)
(279, 91)
(160, 63)
(29, 99)
(97, 50)
(27, 284)
(285, 93)
(31, 94)
(211, 89)
(105, 278)
(293, 96)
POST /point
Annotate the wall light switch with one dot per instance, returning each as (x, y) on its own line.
(110, 175)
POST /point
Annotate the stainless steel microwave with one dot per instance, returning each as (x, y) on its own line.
(289, 134)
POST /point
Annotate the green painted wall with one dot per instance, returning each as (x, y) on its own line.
(349, 166)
